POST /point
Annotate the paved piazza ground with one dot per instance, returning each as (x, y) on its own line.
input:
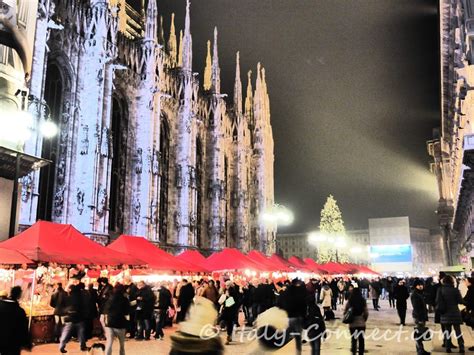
(387, 341)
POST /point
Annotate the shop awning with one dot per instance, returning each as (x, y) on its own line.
(317, 268)
(64, 244)
(282, 262)
(26, 163)
(156, 258)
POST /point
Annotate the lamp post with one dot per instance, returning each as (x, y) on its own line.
(15, 129)
(276, 215)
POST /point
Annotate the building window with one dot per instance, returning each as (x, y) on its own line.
(53, 95)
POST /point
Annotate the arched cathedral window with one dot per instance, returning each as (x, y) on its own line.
(53, 95)
(164, 178)
(119, 131)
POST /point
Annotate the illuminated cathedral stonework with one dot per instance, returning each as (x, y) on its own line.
(145, 148)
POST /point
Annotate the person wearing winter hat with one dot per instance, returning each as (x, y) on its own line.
(197, 333)
(420, 315)
(273, 334)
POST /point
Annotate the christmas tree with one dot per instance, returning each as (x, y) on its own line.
(332, 226)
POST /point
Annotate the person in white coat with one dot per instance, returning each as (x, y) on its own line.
(326, 299)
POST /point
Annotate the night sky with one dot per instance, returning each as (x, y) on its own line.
(354, 95)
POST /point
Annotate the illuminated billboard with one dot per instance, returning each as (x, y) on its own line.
(401, 253)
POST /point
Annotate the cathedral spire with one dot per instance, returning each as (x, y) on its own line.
(265, 98)
(187, 41)
(207, 69)
(161, 33)
(237, 86)
(172, 43)
(216, 71)
(151, 25)
(249, 96)
(180, 49)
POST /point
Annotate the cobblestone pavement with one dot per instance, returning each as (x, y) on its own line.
(383, 325)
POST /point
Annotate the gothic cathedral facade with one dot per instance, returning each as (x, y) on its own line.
(144, 148)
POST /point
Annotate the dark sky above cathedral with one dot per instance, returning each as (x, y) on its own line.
(354, 96)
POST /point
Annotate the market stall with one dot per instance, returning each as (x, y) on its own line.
(54, 248)
(193, 257)
(156, 258)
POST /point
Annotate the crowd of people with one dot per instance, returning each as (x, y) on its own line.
(141, 311)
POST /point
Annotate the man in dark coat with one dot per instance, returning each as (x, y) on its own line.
(185, 298)
(58, 302)
(116, 309)
(420, 315)
(400, 293)
(103, 294)
(161, 308)
(14, 334)
(293, 301)
(132, 297)
(145, 305)
(448, 299)
(74, 319)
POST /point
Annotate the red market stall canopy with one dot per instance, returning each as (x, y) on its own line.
(232, 259)
(12, 257)
(282, 262)
(63, 244)
(334, 268)
(317, 268)
(258, 257)
(193, 257)
(156, 258)
(299, 264)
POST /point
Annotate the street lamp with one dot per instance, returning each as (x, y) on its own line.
(16, 128)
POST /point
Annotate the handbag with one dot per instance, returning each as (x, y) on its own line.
(229, 302)
(348, 316)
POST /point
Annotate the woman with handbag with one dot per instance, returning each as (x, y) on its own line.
(420, 315)
(356, 307)
(230, 309)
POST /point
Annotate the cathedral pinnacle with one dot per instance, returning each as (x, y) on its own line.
(237, 86)
(172, 43)
(180, 49)
(216, 71)
(151, 25)
(249, 96)
(187, 41)
(207, 69)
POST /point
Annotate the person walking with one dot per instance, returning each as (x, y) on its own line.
(144, 313)
(292, 300)
(230, 309)
(326, 300)
(103, 293)
(358, 306)
(420, 315)
(14, 334)
(185, 298)
(469, 303)
(400, 293)
(375, 288)
(58, 302)
(116, 310)
(341, 286)
(448, 299)
(161, 308)
(316, 328)
(189, 338)
(74, 320)
(390, 290)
